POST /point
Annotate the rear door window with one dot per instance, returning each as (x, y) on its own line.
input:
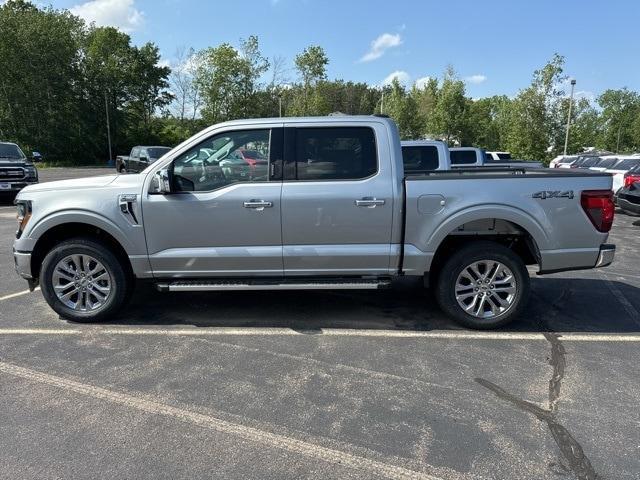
(335, 153)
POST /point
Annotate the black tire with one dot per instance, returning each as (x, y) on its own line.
(120, 282)
(478, 251)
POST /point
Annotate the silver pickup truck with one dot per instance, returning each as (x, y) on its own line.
(331, 208)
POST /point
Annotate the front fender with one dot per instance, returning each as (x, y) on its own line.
(78, 216)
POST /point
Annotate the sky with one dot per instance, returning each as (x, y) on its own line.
(494, 45)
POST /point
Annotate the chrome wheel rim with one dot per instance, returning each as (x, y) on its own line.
(81, 283)
(486, 289)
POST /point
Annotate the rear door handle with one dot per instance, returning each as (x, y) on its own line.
(257, 204)
(369, 202)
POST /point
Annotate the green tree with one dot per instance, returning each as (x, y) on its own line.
(449, 116)
(620, 113)
(536, 128)
(311, 65)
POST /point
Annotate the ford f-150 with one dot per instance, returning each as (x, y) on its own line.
(332, 208)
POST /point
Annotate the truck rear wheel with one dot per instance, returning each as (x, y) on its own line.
(83, 281)
(484, 285)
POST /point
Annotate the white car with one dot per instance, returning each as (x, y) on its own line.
(619, 169)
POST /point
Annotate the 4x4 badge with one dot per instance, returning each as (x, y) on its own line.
(555, 194)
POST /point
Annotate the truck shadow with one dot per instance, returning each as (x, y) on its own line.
(556, 304)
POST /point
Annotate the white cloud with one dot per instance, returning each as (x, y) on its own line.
(476, 79)
(380, 45)
(114, 13)
(164, 63)
(585, 94)
(402, 76)
(422, 82)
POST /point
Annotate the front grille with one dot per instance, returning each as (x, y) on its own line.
(12, 174)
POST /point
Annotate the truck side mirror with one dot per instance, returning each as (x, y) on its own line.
(144, 159)
(161, 182)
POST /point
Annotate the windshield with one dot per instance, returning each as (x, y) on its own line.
(157, 152)
(607, 163)
(567, 159)
(627, 164)
(9, 150)
(591, 162)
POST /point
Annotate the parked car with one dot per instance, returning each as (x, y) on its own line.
(628, 197)
(420, 156)
(139, 158)
(465, 157)
(16, 170)
(620, 168)
(335, 211)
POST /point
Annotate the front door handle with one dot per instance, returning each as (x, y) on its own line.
(257, 204)
(369, 202)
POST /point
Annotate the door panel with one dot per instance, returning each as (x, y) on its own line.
(200, 234)
(336, 226)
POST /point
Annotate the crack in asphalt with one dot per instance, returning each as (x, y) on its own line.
(572, 451)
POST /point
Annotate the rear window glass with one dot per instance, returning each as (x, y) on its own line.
(341, 153)
(422, 158)
(10, 151)
(504, 156)
(627, 164)
(462, 157)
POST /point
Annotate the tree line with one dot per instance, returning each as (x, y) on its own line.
(62, 77)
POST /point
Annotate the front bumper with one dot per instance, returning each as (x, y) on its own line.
(607, 252)
(22, 262)
(15, 186)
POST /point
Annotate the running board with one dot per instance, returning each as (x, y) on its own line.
(256, 284)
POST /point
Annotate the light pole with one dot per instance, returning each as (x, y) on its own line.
(566, 138)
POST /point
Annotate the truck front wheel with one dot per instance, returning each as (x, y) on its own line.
(83, 281)
(483, 285)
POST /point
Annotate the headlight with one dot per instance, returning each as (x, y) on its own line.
(24, 215)
(31, 171)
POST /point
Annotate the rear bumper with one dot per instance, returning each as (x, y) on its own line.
(22, 261)
(607, 253)
(580, 259)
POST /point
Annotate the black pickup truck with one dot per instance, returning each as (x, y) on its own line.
(140, 158)
(16, 170)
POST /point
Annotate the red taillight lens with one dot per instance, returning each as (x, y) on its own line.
(599, 207)
(629, 179)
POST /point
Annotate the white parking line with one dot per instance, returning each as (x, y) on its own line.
(331, 332)
(17, 294)
(251, 434)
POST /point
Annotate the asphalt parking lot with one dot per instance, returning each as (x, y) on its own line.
(371, 384)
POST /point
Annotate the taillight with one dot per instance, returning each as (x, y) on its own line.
(629, 179)
(599, 207)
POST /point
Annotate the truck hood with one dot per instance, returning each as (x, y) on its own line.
(73, 184)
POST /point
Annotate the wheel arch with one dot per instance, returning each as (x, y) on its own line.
(507, 226)
(68, 230)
